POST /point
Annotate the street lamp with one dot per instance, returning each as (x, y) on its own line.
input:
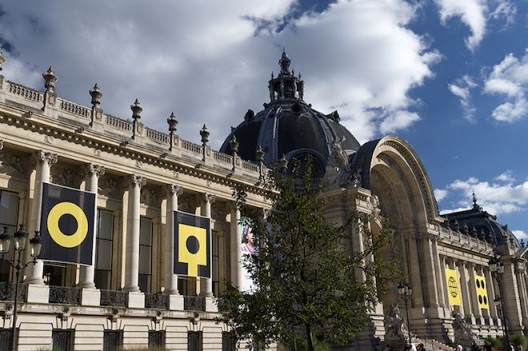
(19, 241)
(497, 269)
(405, 293)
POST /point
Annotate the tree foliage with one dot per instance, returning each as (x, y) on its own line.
(305, 275)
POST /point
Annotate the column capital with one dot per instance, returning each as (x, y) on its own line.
(94, 169)
(171, 189)
(45, 157)
(134, 179)
(1, 144)
(209, 198)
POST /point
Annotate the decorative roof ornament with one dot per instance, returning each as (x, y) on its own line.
(136, 116)
(49, 80)
(475, 205)
(284, 63)
(2, 59)
(96, 95)
(172, 122)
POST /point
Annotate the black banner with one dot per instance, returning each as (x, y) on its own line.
(67, 225)
(192, 245)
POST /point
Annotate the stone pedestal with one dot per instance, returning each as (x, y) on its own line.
(176, 302)
(37, 293)
(90, 297)
(210, 304)
(136, 299)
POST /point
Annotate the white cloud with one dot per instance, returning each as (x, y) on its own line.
(476, 15)
(520, 234)
(209, 66)
(500, 197)
(471, 12)
(462, 89)
(398, 120)
(440, 194)
(509, 78)
(506, 177)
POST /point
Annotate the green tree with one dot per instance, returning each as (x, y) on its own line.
(304, 274)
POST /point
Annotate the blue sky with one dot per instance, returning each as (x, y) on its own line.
(448, 76)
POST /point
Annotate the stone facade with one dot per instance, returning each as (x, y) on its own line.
(132, 298)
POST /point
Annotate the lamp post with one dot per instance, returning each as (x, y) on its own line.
(19, 241)
(497, 269)
(405, 293)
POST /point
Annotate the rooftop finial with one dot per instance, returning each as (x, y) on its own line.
(2, 59)
(284, 63)
(475, 205)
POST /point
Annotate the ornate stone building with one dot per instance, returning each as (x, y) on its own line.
(130, 295)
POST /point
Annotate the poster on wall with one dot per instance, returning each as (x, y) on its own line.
(67, 225)
(248, 247)
(192, 245)
(453, 290)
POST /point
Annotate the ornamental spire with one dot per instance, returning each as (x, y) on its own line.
(285, 85)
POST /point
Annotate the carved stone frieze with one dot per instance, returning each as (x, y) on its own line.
(150, 196)
(220, 210)
(109, 187)
(66, 176)
(13, 163)
(188, 202)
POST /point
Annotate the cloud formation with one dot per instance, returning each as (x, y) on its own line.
(509, 79)
(476, 14)
(501, 196)
(209, 66)
(462, 89)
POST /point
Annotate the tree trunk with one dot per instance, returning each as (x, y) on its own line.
(309, 337)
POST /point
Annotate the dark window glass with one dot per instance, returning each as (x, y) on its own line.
(5, 339)
(63, 340)
(228, 341)
(112, 340)
(145, 255)
(103, 249)
(194, 341)
(156, 338)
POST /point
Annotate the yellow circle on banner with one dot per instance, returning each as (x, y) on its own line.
(56, 233)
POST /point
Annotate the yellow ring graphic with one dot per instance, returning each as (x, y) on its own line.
(56, 233)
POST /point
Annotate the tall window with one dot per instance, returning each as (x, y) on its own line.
(63, 340)
(145, 254)
(156, 338)
(6, 340)
(103, 249)
(194, 341)
(215, 263)
(112, 340)
(8, 219)
(228, 341)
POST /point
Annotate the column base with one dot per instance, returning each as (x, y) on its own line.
(90, 297)
(37, 293)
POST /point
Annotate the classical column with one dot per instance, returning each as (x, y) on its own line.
(473, 292)
(444, 300)
(206, 284)
(132, 241)
(93, 172)
(430, 271)
(44, 162)
(490, 284)
(466, 301)
(171, 279)
(236, 253)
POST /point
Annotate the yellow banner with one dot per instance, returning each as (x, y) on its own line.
(482, 292)
(453, 288)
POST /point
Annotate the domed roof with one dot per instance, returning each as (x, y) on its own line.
(290, 127)
(478, 223)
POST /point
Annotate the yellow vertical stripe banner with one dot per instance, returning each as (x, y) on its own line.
(482, 293)
(453, 288)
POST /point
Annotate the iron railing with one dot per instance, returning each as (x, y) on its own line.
(65, 295)
(193, 303)
(157, 300)
(114, 298)
(7, 292)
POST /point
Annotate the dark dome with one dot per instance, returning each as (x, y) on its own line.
(289, 127)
